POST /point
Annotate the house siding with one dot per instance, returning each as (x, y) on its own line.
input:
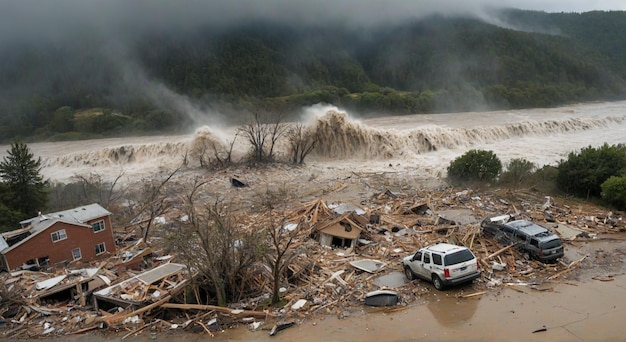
(78, 236)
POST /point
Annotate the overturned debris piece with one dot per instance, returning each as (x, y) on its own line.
(498, 266)
(282, 326)
(237, 183)
(299, 304)
(381, 298)
(368, 265)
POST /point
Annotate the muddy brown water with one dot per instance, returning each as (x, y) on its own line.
(574, 308)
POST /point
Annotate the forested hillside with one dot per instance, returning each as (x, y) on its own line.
(92, 86)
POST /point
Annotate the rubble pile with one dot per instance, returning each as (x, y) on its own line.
(342, 253)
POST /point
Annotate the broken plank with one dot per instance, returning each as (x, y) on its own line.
(498, 252)
(238, 313)
(569, 268)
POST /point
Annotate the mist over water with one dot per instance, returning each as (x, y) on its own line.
(421, 145)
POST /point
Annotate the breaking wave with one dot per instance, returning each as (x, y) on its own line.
(341, 137)
(119, 155)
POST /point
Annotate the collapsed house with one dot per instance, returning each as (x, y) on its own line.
(83, 233)
(159, 283)
(342, 232)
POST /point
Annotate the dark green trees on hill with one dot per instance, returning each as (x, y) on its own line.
(81, 89)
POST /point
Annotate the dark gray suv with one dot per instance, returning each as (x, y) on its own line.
(533, 240)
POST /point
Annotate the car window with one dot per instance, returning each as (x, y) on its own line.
(436, 259)
(427, 258)
(418, 256)
(534, 242)
(520, 237)
(458, 257)
(551, 244)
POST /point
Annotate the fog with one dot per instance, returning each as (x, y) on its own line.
(106, 31)
(67, 19)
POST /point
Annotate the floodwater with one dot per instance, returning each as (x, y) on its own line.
(420, 145)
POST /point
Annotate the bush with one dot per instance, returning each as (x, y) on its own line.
(583, 173)
(475, 165)
(518, 172)
(614, 191)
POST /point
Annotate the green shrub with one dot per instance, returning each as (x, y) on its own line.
(583, 173)
(475, 165)
(614, 191)
(518, 172)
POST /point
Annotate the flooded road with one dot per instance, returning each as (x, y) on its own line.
(589, 311)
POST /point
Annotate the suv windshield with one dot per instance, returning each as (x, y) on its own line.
(458, 257)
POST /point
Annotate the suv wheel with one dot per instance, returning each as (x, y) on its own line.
(526, 256)
(408, 273)
(437, 282)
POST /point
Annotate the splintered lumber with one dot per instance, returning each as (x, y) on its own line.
(469, 295)
(569, 268)
(238, 313)
(122, 316)
(498, 252)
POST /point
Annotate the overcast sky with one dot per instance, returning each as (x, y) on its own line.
(37, 18)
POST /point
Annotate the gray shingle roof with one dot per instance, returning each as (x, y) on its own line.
(80, 214)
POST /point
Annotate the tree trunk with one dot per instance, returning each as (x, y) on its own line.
(276, 288)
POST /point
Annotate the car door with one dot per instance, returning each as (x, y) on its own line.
(425, 266)
(416, 263)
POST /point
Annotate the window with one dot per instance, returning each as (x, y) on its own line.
(418, 256)
(100, 248)
(98, 226)
(58, 235)
(437, 259)
(76, 254)
(458, 257)
(427, 258)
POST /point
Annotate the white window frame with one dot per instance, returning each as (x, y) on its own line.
(80, 255)
(59, 235)
(104, 248)
(99, 224)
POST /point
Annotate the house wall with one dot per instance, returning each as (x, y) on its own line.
(41, 245)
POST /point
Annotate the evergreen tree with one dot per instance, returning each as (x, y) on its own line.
(24, 187)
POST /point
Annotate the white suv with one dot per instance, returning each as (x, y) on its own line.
(443, 264)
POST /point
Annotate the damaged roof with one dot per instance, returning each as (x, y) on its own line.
(80, 214)
(77, 216)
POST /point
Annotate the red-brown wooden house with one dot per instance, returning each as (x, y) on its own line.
(82, 233)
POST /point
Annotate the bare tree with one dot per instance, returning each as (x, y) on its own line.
(301, 142)
(86, 188)
(281, 235)
(212, 241)
(263, 132)
(152, 201)
(210, 152)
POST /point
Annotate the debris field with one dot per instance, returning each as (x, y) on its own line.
(342, 253)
